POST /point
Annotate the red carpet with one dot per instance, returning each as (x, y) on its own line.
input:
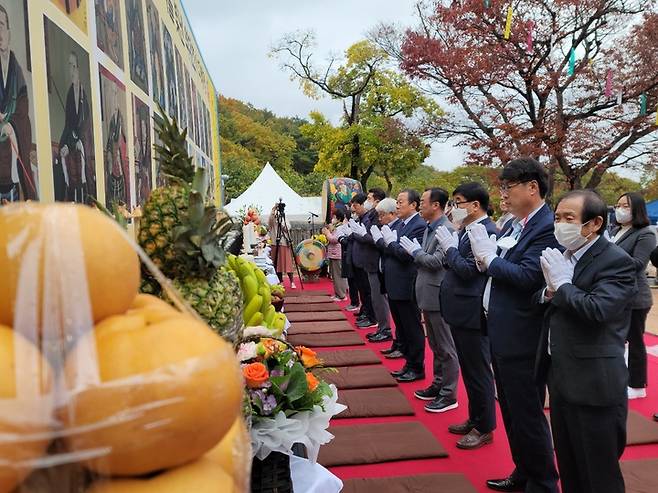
(491, 461)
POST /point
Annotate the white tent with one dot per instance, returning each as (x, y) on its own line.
(266, 191)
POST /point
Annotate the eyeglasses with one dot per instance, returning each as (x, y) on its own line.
(457, 204)
(506, 187)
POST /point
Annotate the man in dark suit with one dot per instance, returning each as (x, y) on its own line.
(364, 258)
(399, 279)
(429, 257)
(514, 323)
(589, 292)
(461, 305)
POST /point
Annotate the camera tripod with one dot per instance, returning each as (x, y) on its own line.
(283, 233)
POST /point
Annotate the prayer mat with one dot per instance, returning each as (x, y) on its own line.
(327, 340)
(372, 403)
(453, 483)
(349, 357)
(640, 430)
(360, 377)
(320, 327)
(382, 442)
(315, 316)
(640, 476)
(307, 292)
(303, 300)
(311, 307)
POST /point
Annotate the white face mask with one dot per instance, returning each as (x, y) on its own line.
(623, 216)
(569, 235)
(458, 215)
(367, 205)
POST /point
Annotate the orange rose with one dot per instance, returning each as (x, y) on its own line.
(308, 356)
(312, 381)
(255, 374)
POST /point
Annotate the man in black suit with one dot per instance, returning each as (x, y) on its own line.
(589, 291)
(461, 305)
(514, 322)
(399, 281)
(364, 257)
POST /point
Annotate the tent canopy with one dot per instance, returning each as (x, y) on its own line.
(652, 210)
(266, 191)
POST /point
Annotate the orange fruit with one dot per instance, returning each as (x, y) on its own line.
(202, 476)
(26, 407)
(69, 244)
(233, 453)
(169, 390)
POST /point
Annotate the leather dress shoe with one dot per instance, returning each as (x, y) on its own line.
(461, 428)
(389, 350)
(377, 333)
(410, 376)
(655, 417)
(474, 439)
(506, 484)
(397, 373)
(382, 337)
(428, 394)
(365, 324)
(394, 355)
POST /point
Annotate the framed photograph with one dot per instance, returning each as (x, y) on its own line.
(142, 140)
(137, 44)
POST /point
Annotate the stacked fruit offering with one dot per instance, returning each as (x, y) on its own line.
(258, 309)
(99, 379)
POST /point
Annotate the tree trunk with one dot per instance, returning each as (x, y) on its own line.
(355, 158)
(389, 183)
(366, 176)
(595, 180)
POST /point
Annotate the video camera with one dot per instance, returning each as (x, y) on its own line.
(280, 206)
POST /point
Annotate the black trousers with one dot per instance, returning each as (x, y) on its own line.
(474, 354)
(521, 400)
(589, 440)
(637, 351)
(363, 285)
(409, 333)
(353, 290)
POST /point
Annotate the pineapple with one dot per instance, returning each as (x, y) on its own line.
(184, 237)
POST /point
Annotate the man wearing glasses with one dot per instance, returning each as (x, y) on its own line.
(514, 323)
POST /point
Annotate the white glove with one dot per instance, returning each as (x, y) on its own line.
(557, 269)
(339, 232)
(388, 235)
(357, 229)
(484, 246)
(376, 233)
(410, 246)
(446, 239)
(346, 230)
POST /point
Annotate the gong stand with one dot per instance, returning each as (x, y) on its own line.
(283, 233)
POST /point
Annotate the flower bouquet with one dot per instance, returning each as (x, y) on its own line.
(287, 404)
(321, 238)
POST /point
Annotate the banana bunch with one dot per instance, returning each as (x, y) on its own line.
(258, 309)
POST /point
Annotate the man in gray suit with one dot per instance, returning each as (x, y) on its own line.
(428, 258)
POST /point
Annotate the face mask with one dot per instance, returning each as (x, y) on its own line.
(568, 235)
(367, 205)
(355, 216)
(507, 242)
(623, 216)
(458, 215)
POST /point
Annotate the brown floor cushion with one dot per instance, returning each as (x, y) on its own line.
(307, 292)
(640, 476)
(315, 316)
(371, 403)
(360, 377)
(640, 430)
(423, 483)
(332, 339)
(349, 357)
(381, 442)
(301, 300)
(320, 327)
(311, 307)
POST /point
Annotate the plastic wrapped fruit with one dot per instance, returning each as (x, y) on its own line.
(109, 263)
(202, 476)
(25, 407)
(233, 453)
(168, 389)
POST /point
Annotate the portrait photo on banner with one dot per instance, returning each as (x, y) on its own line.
(170, 70)
(182, 100)
(159, 177)
(142, 139)
(76, 10)
(115, 148)
(157, 69)
(71, 117)
(137, 44)
(108, 29)
(19, 173)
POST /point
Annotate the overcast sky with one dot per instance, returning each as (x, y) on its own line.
(236, 36)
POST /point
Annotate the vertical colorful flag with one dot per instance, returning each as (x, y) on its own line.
(531, 26)
(572, 61)
(608, 84)
(508, 24)
(643, 104)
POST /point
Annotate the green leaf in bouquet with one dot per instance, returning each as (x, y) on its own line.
(297, 387)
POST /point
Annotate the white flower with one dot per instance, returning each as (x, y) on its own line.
(247, 351)
(256, 331)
